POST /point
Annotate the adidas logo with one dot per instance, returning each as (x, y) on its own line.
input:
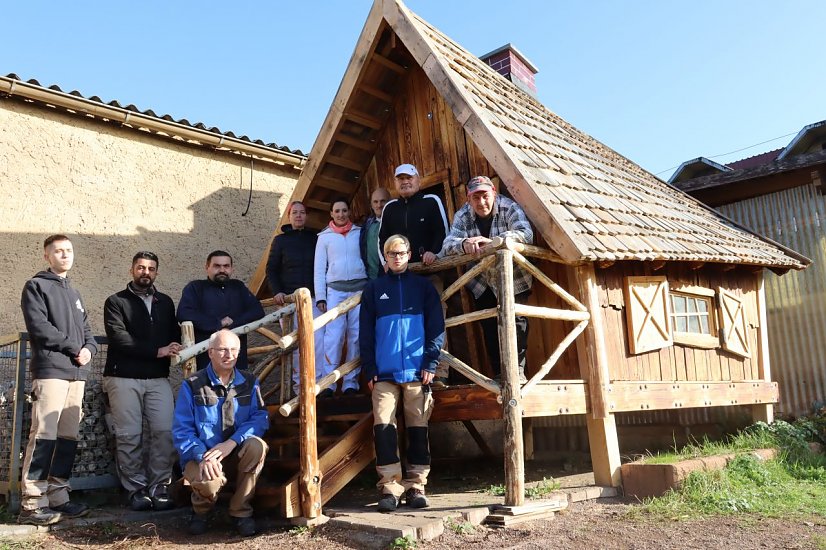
(384, 296)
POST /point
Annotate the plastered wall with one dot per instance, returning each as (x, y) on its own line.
(117, 190)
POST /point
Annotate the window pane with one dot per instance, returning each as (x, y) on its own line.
(679, 304)
(692, 305)
(702, 306)
(704, 324)
(693, 324)
(680, 324)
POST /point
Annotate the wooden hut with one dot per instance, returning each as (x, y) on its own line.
(672, 291)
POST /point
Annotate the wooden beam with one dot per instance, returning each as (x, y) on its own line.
(594, 369)
(356, 142)
(187, 340)
(477, 437)
(551, 313)
(344, 162)
(469, 372)
(310, 474)
(511, 396)
(364, 119)
(645, 396)
(341, 186)
(317, 204)
(375, 92)
(384, 62)
(762, 412)
(470, 317)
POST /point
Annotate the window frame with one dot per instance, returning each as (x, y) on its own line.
(694, 339)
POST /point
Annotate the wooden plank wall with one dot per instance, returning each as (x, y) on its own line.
(678, 362)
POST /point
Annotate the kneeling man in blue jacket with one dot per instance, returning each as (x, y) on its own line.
(402, 329)
(219, 420)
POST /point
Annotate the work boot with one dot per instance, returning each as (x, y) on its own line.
(244, 526)
(415, 498)
(140, 501)
(161, 500)
(388, 503)
(71, 509)
(39, 516)
(198, 524)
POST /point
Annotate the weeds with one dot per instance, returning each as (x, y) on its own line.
(461, 527)
(495, 490)
(12, 544)
(790, 486)
(542, 488)
(403, 543)
(299, 530)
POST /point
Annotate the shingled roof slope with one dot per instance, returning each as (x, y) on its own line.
(588, 201)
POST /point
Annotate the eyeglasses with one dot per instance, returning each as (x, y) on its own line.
(224, 351)
(395, 254)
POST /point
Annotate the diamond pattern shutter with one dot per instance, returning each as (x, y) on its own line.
(646, 307)
(733, 327)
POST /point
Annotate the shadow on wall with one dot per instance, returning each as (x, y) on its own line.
(102, 262)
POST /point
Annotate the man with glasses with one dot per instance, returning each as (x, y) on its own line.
(219, 420)
(143, 334)
(402, 329)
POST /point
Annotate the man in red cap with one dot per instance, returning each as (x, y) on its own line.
(487, 215)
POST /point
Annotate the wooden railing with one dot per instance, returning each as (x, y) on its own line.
(501, 255)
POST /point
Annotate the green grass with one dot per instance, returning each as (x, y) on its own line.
(403, 543)
(538, 490)
(460, 527)
(793, 485)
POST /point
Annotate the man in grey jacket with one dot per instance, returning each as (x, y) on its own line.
(62, 347)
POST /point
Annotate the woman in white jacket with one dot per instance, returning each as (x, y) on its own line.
(338, 274)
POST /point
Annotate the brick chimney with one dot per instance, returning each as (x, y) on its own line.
(510, 63)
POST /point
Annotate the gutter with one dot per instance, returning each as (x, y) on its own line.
(137, 119)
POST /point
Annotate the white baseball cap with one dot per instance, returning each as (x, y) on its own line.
(408, 169)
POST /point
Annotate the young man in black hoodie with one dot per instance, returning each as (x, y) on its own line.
(143, 334)
(62, 347)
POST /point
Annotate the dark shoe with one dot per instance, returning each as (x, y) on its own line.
(198, 524)
(140, 501)
(388, 503)
(244, 526)
(350, 391)
(161, 500)
(326, 394)
(415, 498)
(71, 509)
(439, 382)
(39, 516)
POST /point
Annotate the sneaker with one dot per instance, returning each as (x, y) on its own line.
(326, 394)
(415, 498)
(140, 501)
(351, 391)
(198, 524)
(39, 516)
(439, 382)
(71, 509)
(388, 503)
(244, 526)
(161, 500)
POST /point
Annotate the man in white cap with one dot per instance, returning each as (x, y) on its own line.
(421, 218)
(485, 216)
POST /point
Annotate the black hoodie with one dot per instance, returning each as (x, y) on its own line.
(290, 265)
(58, 327)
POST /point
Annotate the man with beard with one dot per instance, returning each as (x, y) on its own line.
(143, 334)
(217, 302)
(62, 347)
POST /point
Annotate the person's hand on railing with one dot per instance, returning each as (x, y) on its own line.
(279, 299)
(427, 377)
(474, 245)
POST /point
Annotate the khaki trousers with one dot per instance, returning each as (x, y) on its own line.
(244, 465)
(417, 406)
(50, 452)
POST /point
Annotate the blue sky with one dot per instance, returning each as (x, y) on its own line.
(661, 82)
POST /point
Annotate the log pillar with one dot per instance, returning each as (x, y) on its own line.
(511, 391)
(187, 340)
(593, 367)
(310, 475)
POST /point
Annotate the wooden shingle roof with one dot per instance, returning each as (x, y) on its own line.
(589, 202)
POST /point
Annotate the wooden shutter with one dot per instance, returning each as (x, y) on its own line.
(733, 326)
(646, 308)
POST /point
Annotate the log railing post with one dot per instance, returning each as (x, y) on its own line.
(310, 476)
(511, 394)
(188, 339)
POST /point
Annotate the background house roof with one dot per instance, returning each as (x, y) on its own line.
(12, 85)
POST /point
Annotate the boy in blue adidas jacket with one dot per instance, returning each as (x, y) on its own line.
(402, 329)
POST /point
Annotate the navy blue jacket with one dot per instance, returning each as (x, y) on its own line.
(401, 328)
(205, 303)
